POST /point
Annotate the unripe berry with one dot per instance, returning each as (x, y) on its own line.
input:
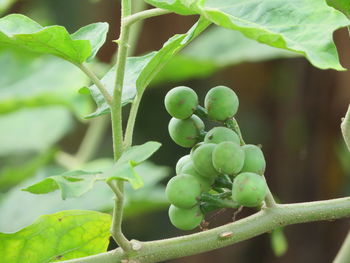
(221, 103)
(203, 161)
(249, 189)
(185, 219)
(228, 158)
(181, 163)
(181, 102)
(221, 134)
(186, 132)
(205, 182)
(254, 161)
(183, 191)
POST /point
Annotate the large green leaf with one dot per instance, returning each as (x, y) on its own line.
(33, 130)
(61, 236)
(71, 184)
(19, 30)
(302, 26)
(233, 48)
(152, 196)
(341, 5)
(140, 71)
(29, 80)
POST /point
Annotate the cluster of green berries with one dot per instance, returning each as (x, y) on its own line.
(216, 153)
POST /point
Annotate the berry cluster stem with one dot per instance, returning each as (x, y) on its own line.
(262, 222)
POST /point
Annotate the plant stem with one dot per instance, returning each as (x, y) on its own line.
(96, 81)
(129, 20)
(117, 128)
(343, 255)
(116, 231)
(264, 221)
(233, 124)
(92, 138)
(269, 200)
(345, 128)
(131, 120)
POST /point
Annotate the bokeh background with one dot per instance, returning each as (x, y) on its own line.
(289, 107)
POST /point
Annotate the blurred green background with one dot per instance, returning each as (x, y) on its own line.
(292, 109)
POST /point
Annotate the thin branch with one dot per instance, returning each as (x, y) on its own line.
(131, 120)
(97, 82)
(264, 221)
(129, 20)
(269, 200)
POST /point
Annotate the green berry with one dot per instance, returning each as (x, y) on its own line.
(228, 158)
(254, 161)
(249, 189)
(203, 161)
(221, 134)
(204, 182)
(221, 103)
(181, 102)
(185, 219)
(186, 132)
(181, 163)
(183, 191)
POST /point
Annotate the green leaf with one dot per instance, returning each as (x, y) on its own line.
(139, 153)
(33, 130)
(125, 172)
(232, 49)
(341, 5)
(304, 26)
(134, 66)
(12, 174)
(95, 33)
(71, 184)
(133, 156)
(279, 243)
(14, 217)
(167, 52)
(19, 30)
(140, 71)
(61, 236)
(177, 6)
(31, 81)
